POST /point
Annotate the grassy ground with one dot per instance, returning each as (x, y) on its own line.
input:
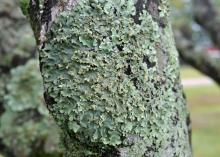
(204, 105)
(188, 72)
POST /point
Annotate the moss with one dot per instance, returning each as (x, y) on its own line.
(103, 73)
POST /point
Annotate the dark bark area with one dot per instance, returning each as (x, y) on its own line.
(41, 22)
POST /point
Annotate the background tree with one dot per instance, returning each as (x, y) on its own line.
(111, 77)
(196, 29)
(26, 129)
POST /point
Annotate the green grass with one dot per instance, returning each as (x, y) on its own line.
(206, 142)
(212, 90)
(189, 72)
(204, 106)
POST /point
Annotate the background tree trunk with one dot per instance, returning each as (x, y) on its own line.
(206, 15)
(25, 125)
(13, 50)
(111, 77)
(198, 58)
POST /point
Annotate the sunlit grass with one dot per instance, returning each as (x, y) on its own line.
(204, 106)
(203, 91)
(189, 72)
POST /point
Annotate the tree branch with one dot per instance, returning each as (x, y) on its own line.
(207, 16)
(190, 54)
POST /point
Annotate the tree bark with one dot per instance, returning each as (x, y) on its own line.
(111, 78)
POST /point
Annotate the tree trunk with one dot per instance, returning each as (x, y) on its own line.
(111, 78)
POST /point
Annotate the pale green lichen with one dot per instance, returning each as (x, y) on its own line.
(163, 8)
(2, 88)
(101, 72)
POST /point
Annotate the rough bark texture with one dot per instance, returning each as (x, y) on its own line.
(111, 79)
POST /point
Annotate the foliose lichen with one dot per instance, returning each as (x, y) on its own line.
(104, 81)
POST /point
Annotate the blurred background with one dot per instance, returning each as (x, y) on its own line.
(196, 25)
(26, 128)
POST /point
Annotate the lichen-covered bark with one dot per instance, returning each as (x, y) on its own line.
(26, 129)
(14, 51)
(111, 80)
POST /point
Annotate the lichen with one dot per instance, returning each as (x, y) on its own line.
(102, 74)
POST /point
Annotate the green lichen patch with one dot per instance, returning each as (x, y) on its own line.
(101, 70)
